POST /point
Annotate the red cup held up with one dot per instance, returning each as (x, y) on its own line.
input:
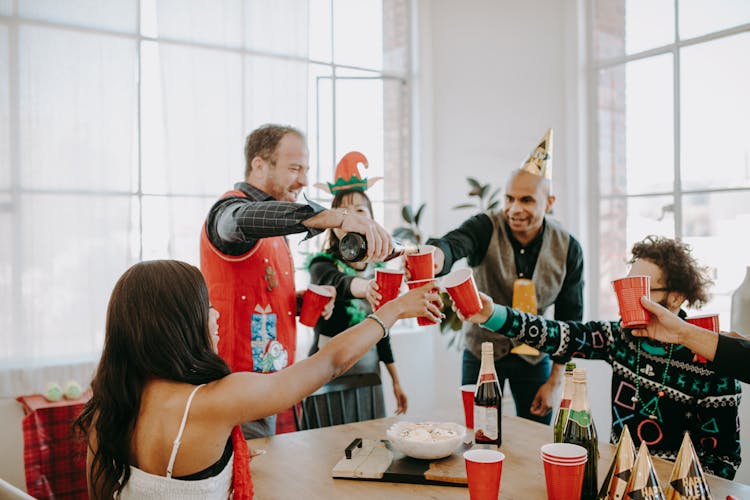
(629, 291)
(421, 321)
(421, 265)
(462, 288)
(389, 284)
(708, 322)
(313, 302)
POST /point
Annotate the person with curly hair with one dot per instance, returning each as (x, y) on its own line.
(164, 419)
(658, 391)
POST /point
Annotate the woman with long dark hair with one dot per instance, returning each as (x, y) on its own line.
(164, 418)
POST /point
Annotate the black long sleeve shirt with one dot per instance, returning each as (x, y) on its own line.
(235, 224)
(472, 239)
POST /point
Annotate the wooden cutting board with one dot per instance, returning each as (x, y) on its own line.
(379, 461)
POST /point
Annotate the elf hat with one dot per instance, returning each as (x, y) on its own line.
(347, 175)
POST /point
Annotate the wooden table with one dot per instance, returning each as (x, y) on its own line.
(298, 465)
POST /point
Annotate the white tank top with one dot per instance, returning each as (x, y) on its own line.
(150, 486)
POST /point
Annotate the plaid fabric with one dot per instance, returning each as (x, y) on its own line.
(54, 456)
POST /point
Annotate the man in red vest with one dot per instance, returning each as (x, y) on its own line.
(247, 262)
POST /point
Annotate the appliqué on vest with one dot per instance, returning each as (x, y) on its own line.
(269, 355)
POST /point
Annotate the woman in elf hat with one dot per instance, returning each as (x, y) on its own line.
(159, 366)
(354, 284)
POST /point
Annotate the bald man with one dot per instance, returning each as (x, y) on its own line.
(519, 242)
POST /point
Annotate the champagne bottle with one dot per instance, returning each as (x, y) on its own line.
(488, 427)
(353, 248)
(580, 430)
(567, 396)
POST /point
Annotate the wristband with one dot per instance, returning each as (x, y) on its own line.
(379, 321)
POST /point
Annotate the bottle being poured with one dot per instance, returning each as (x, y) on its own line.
(353, 248)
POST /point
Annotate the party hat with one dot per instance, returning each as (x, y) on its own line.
(643, 483)
(524, 299)
(347, 175)
(621, 469)
(539, 161)
(687, 480)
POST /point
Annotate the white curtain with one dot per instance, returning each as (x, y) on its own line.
(114, 142)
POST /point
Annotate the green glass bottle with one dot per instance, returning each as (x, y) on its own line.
(580, 430)
(567, 395)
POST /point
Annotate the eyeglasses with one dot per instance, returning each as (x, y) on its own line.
(659, 289)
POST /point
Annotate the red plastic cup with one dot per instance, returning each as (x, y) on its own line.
(389, 284)
(416, 284)
(467, 395)
(462, 288)
(484, 469)
(629, 292)
(564, 481)
(313, 302)
(709, 322)
(421, 264)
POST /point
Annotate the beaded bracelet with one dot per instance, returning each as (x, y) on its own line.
(379, 321)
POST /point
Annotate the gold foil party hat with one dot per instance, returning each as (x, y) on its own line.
(687, 480)
(643, 483)
(621, 469)
(539, 161)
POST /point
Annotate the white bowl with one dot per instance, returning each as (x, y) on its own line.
(426, 440)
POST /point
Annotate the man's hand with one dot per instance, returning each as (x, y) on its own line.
(663, 326)
(543, 400)
(328, 309)
(482, 316)
(379, 242)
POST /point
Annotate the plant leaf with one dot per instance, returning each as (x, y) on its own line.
(473, 182)
(494, 194)
(419, 214)
(407, 214)
(405, 234)
(483, 191)
(464, 205)
(493, 205)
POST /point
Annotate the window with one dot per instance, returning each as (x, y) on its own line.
(122, 122)
(672, 132)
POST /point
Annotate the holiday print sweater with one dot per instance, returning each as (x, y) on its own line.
(690, 396)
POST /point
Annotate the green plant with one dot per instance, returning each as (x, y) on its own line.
(411, 232)
(486, 198)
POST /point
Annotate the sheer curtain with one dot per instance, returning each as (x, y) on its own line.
(120, 124)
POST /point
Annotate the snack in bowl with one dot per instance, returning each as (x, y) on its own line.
(426, 440)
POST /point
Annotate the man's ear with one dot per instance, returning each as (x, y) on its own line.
(550, 202)
(675, 300)
(259, 164)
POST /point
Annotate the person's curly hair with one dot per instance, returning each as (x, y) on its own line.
(264, 141)
(682, 273)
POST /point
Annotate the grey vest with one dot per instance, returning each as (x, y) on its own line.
(497, 272)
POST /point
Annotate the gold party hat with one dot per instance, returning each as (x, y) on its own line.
(643, 483)
(524, 299)
(539, 161)
(687, 480)
(621, 469)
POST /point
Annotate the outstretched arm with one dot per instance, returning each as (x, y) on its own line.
(242, 397)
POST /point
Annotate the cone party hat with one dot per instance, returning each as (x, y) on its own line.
(687, 480)
(347, 175)
(644, 483)
(539, 161)
(621, 469)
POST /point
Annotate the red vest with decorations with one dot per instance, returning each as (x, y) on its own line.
(254, 294)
